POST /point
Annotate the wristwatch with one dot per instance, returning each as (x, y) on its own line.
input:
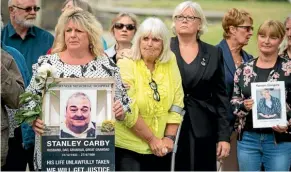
(171, 137)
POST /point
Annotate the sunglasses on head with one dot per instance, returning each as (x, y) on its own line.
(154, 87)
(247, 28)
(120, 26)
(28, 9)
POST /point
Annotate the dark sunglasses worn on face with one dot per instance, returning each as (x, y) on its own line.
(247, 28)
(120, 26)
(188, 18)
(28, 9)
(154, 87)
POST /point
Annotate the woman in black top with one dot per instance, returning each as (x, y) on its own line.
(270, 147)
(206, 102)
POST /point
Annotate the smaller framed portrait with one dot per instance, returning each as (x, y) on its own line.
(269, 107)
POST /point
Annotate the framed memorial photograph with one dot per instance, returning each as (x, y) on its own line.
(79, 120)
(269, 107)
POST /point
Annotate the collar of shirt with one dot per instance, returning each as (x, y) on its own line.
(110, 52)
(12, 31)
(81, 135)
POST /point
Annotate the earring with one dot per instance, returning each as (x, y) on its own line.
(91, 46)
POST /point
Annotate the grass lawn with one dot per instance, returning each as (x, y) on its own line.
(260, 11)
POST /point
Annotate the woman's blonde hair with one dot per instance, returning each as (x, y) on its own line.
(132, 16)
(275, 28)
(156, 28)
(196, 8)
(86, 21)
(234, 17)
(284, 44)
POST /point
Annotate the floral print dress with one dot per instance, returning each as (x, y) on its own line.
(245, 75)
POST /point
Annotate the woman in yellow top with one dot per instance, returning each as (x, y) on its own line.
(146, 136)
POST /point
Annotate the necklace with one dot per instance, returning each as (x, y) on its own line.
(238, 61)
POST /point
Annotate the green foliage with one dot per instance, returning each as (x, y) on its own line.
(28, 115)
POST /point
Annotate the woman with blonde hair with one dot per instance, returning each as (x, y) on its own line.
(285, 47)
(205, 124)
(80, 4)
(267, 147)
(123, 28)
(145, 139)
(78, 53)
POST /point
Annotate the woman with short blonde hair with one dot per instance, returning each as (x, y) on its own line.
(268, 147)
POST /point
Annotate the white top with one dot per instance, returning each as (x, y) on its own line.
(110, 52)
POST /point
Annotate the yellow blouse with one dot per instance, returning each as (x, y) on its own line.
(155, 114)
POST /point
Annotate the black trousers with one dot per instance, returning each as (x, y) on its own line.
(126, 160)
(195, 154)
(18, 158)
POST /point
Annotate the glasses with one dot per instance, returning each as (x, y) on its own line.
(120, 26)
(247, 28)
(28, 9)
(154, 87)
(188, 18)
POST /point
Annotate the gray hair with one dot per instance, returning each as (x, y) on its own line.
(157, 29)
(77, 95)
(196, 8)
(10, 3)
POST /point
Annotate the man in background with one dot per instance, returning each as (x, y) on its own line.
(32, 42)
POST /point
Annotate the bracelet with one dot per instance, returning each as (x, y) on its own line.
(172, 137)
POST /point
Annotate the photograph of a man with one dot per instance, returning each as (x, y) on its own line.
(269, 106)
(78, 122)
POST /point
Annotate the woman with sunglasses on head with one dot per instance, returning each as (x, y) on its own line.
(238, 29)
(270, 147)
(206, 103)
(145, 139)
(123, 28)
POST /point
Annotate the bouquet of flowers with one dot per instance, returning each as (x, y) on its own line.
(31, 104)
(107, 126)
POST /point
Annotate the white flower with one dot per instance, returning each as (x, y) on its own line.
(47, 70)
(54, 71)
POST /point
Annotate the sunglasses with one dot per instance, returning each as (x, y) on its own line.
(120, 26)
(28, 9)
(247, 28)
(154, 87)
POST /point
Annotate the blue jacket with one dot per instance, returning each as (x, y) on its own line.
(20, 62)
(229, 70)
